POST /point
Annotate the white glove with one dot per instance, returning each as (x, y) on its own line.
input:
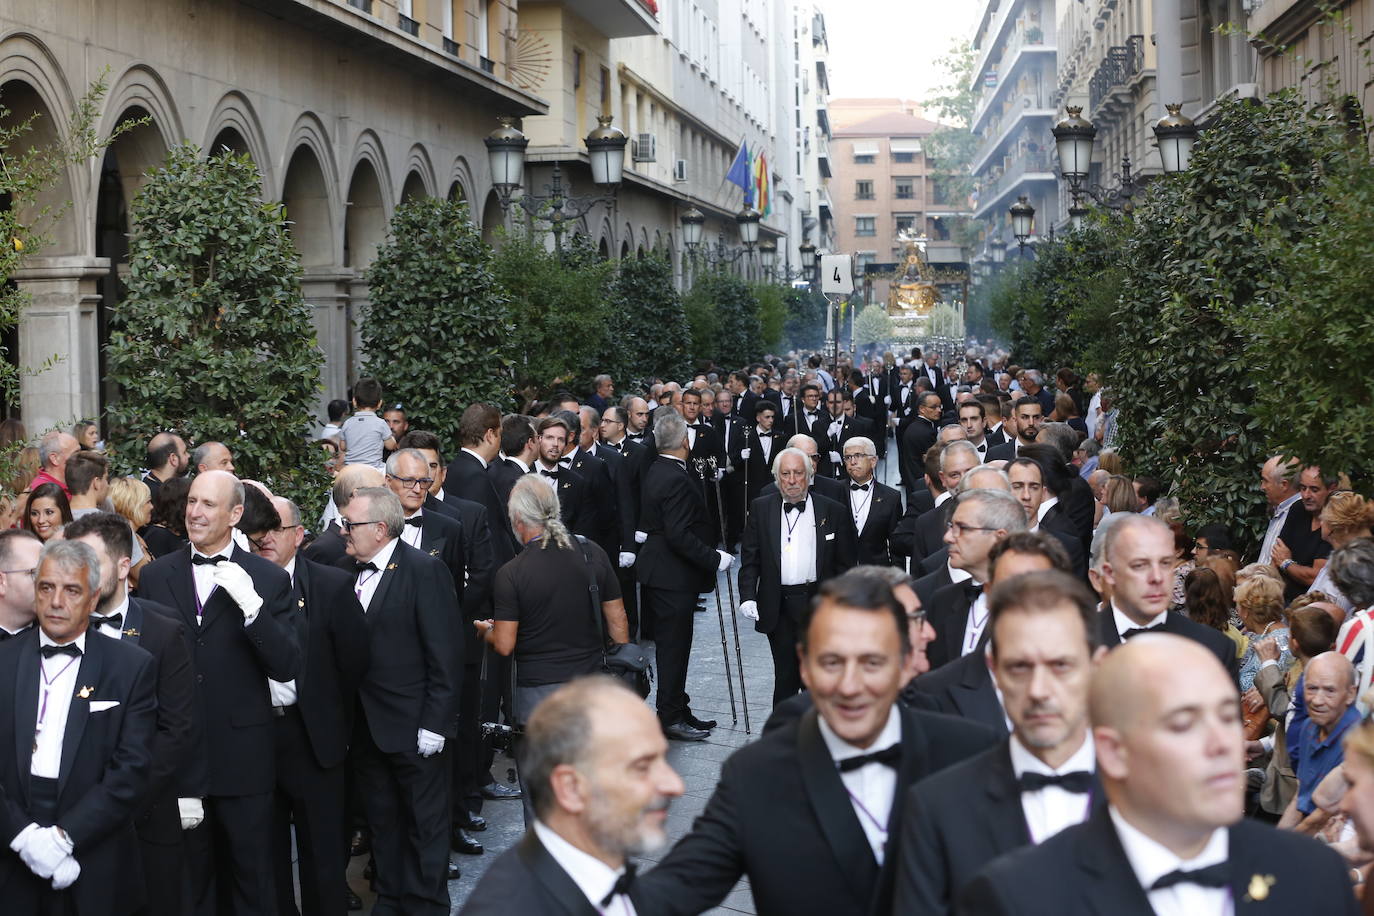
(720, 474)
(641, 537)
(66, 873)
(42, 848)
(749, 609)
(744, 453)
(725, 560)
(192, 812)
(627, 559)
(834, 457)
(235, 580)
(429, 743)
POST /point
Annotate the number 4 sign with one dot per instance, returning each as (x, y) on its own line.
(837, 274)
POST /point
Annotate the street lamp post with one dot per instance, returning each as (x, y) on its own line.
(1176, 134)
(1073, 139)
(694, 225)
(1022, 222)
(808, 259)
(506, 147)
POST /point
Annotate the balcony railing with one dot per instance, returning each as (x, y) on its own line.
(451, 47)
(364, 5)
(408, 25)
(1040, 162)
(1116, 70)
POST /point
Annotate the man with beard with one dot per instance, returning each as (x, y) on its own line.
(595, 765)
(1028, 415)
(167, 458)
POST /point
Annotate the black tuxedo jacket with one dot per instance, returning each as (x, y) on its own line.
(679, 552)
(232, 662)
(958, 821)
(466, 478)
(328, 548)
(745, 404)
(525, 879)
(1083, 871)
(103, 779)
(916, 439)
(333, 633)
(884, 512)
(602, 499)
(964, 688)
(1214, 641)
(575, 505)
(1058, 524)
(948, 615)
(1004, 452)
(155, 629)
(442, 536)
(927, 585)
(759, 470)
(504, 472)
(626, 467)
(920, 534)
(871, 401)
(707, 444)
(1078, 507)
(936, 560)
(781, 815)
(997, 437)
(416, 634)
(732, 441)
(481, 564)
(760, 570)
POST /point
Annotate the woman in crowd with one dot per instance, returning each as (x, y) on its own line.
(1208, 602)
(167, 531)
(132, 499)
(1259, 601)
(1345, 517)
(47, 511)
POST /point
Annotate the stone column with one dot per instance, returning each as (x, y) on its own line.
(57, 335)
(1168, 55)
(327, 291)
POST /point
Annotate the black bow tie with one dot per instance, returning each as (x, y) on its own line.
(621, 886)
(114, 620)
(612, 445)
(635, 436)
(1212, 876)
(858, 486)
(415, 521)
(1080, 781)
(199, 560)
(1136, 631)
(794, 507)
(972, 589)
(360, 567)
(888, 756)
(70, 648)
(550, 474)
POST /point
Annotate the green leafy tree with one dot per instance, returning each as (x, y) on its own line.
(651, 324)
(951, 149)
(872, 326)
(772, 313)
(564, 320)
(724, 317)
(804, 328)
(213, 338)
(437, 332)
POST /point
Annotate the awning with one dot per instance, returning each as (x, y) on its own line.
(905, 146)
(865, 149)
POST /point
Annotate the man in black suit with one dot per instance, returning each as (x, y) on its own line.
(761, 448)
(438, 534)
(626, 460)
(993, 428)
(408, 703)
(578, 745)
(916, 435)
(794, 541)
(973, 418)
(1027, 477)
(601, 487)
(1172, 837)
(843, 424)
(519, 448)
(732, 431)
(313, 712)
(828, 487)
(329, 547)
(823, 790)
(78, 713)
(1039, 780)
(1137, 568)
(479, 432)
(1029, 416)
(959, 612)
(903, 393)
(676, 563)
(238, 613)
(166, 458)
(152, 627)
(19, 550)
(875, 507)
(577, 509)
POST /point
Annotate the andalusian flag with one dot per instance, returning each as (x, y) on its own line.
(763, 197)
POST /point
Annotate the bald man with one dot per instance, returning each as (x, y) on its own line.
(1172, 839)
(1329, 691)
(329, 548)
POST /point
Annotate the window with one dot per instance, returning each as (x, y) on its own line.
(865, 225)
(605, 91)
(903, 157)
(905, 222)
(864, 158)
(577, 69)
(863, 190)
(905, 188)
(866, 258)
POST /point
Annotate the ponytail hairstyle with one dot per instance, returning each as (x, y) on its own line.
(534, 504)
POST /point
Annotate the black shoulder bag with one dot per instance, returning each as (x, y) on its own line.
(625, 661)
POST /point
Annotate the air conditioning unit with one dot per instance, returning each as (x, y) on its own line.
(680, 170)
(645, 149)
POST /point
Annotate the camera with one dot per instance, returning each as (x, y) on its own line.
(500, 736)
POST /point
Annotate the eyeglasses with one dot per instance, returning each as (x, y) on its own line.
(410, 483)
(14, 572)
(348, 526)
(960, 529)
(916, 617)
(858, 457)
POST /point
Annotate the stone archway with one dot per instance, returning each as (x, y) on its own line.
(493, 218)
(364, 231)
(308, 193)
(414, 187)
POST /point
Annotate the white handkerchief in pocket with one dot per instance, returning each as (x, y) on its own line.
(102, 705)
(830, 536)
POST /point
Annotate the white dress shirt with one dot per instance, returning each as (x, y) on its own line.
(1276, 527)
(766, 446)
(366, 584)
(1094, 415)
(1051, 809)
(1151, 861)
(873, 787)
(956, 575)
(981, 448)
(283, 693)
(1045, 506)
(799, 543)
(942, 497)
(860, 501)
(978, 614)
(1124, 623)
(109, 629)
(203, 575)
(57, 680)
(592, 876)
(411, 533)
(524, 468)
(480, 460)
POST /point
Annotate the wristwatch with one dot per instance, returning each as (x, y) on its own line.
(1286, 563)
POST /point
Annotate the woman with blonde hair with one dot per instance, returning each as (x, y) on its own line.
(1119, 495)
(1259, 601)
(133, 499)
(1345, 517)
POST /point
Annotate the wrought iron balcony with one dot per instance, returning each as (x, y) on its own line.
(1122, 63)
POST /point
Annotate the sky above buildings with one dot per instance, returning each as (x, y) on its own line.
(888, 48)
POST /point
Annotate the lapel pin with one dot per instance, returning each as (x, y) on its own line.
(1259, 887)
(131, 632)
(301, 602)
(85, 692)
(390, 567)
(434, 552)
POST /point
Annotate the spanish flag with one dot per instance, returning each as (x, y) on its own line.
(763, 197)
